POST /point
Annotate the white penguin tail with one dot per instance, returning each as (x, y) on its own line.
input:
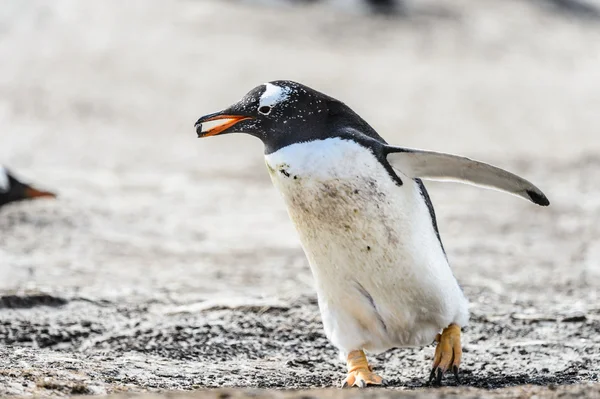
(446, 167)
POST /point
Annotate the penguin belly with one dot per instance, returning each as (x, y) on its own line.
(382, 277)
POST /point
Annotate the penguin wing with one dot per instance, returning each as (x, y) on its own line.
(446, 167)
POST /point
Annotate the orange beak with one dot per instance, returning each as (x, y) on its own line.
(31, 192)
(224, 122)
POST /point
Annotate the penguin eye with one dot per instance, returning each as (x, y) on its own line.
(265, 110)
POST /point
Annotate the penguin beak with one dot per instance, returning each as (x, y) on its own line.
(213, 124)
(31, 192)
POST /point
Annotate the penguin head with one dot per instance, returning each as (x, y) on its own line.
(11, 189)
(280, 113)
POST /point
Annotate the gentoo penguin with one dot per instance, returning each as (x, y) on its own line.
(365, 221)
(12, 189)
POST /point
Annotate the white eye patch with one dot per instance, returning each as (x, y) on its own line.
(273, 95)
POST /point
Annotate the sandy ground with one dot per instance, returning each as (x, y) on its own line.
(169, 263)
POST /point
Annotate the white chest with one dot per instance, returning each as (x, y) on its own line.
(337, 190)
(381, 274)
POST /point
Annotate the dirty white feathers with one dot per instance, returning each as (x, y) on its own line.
(382, 277)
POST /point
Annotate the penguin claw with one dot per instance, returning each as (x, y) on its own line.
(438, 379)
(437, 374)
(431, 375)
(435, 377)
(448, 353)
(456, 375)
(362, 378)
(360, 373)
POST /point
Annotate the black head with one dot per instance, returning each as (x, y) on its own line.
(284, 112)
(12, 190)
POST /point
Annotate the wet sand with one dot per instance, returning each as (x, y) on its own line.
(169, 263)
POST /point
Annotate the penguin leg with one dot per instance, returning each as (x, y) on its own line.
(360, 374)
(448, 353)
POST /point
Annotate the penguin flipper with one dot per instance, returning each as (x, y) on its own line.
(446, 167)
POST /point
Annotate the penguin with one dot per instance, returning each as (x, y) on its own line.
(11, 189)
(365, 221)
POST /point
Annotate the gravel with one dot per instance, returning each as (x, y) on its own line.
(169, 264)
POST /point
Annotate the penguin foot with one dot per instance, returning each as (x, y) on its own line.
(360, 374)
(448, 353)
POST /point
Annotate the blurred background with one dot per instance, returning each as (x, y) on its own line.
(98, 102)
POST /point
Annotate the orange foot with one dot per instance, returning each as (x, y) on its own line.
(360, 373)
(447, 353)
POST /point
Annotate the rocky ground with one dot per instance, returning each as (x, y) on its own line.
(169, 263)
